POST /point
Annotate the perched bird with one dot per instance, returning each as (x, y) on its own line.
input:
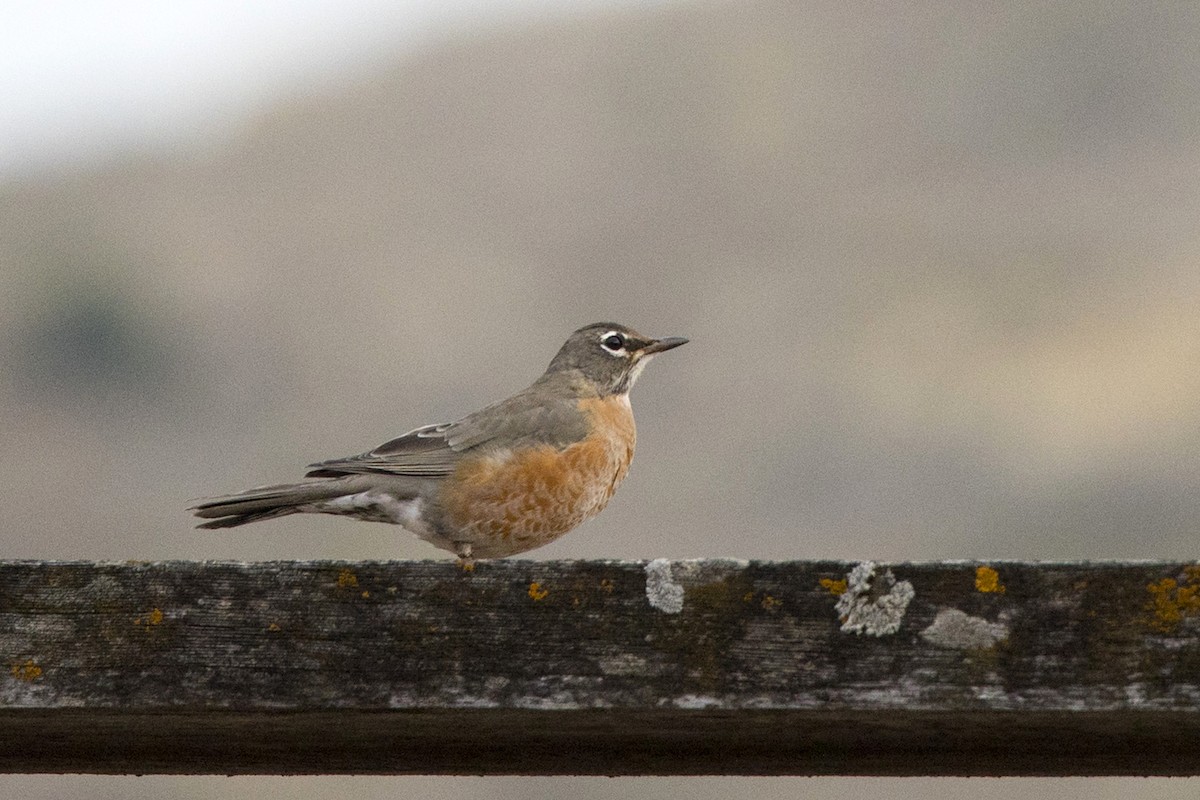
(508, 478)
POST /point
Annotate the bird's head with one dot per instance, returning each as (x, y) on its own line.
(609, 356)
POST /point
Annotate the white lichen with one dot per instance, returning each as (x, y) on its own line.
(697, 702)
(662, 591)
(873, 604)
(957, 630)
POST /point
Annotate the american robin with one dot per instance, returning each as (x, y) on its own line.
(511, 477)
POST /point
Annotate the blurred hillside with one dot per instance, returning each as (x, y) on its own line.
(938, 266)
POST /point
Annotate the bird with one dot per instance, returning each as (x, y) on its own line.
(513, 476)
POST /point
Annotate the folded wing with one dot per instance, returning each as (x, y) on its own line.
(434, 451)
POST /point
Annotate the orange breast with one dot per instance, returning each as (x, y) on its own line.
(506, 503)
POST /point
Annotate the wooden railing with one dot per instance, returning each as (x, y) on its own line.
(599, 667)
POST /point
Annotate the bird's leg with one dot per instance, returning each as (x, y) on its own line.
(465, 562)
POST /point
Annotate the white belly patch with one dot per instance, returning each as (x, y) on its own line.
(380, 507)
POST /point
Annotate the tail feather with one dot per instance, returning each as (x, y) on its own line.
(234, 520)
(266, 502)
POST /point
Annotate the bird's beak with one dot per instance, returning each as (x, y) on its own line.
(659, 345)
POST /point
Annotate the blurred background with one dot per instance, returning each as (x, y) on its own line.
(938, 263)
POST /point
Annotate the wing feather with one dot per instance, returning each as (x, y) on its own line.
(433, 451)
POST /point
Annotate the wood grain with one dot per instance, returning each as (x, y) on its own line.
(594, 667)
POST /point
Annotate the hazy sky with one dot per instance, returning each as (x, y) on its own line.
(83, 78)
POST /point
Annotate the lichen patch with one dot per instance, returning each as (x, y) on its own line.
(837, 588)
(29, 671)
(987, 580)
(957, 630)
(770, 603)
(1172, 601)
(662, 591)
(150, 619)
(873, 604)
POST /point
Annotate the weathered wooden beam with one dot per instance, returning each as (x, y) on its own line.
(601, 668)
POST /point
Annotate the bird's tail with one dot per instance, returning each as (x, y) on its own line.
(265, 502)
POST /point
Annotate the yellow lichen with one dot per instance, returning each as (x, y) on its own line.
(748, 597)
(835, 588)
(607, 586)
(365, 594)
(273, 627)
(770, 603)
(536, 592)
(987, 580)
(1171, 603)
(153, 617)
(346, 579)
(29, 671)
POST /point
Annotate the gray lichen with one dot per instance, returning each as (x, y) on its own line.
(662, 591)
(873, 604)
(958, 630)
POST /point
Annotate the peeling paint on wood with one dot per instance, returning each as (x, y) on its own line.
(585, 668)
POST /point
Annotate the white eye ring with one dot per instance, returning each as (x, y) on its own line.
(613, 348)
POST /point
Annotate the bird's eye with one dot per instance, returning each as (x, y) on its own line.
(613, 342)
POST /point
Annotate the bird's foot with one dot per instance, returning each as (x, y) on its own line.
(465, 562)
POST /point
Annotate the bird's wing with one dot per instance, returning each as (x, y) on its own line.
(423, 452)
(433, 451)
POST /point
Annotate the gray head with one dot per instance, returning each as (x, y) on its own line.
(609, 355)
